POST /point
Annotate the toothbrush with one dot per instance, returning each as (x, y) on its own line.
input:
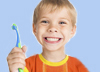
(18, 43)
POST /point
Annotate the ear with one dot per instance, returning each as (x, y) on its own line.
(34, 29)
(73, 31)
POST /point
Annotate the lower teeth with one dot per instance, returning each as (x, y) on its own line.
(57, 40)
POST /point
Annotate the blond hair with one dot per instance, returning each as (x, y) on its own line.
(55, 5)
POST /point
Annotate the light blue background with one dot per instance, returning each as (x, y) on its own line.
(85, 45)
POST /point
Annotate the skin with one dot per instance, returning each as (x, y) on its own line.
(16, 59)
(54, 24)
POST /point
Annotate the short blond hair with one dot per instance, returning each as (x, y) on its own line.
(55, 5)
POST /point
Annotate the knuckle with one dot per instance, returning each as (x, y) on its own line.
(9, 63)
(10, 68)
(18, 53)
(7, 58)
(14, 48)
(18, 64)
(19, 59)
(13, 68)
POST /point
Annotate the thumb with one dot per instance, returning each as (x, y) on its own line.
(24, 49)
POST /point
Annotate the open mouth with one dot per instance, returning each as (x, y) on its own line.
(52, 39)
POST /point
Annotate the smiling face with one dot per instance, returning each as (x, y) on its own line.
(53, 30)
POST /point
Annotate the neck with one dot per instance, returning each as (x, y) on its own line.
(54, 56)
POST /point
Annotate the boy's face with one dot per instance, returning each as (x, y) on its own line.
(54, 30)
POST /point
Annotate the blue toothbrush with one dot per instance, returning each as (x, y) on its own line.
(18, 44)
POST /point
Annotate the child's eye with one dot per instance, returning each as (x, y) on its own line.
(44, 21)
(62, 23)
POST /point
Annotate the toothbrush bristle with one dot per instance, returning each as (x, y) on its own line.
(14, 27)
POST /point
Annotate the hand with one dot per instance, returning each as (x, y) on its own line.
(16, 59)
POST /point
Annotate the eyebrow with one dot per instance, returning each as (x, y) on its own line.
(64, 18)
(44, 17)
(59, 18)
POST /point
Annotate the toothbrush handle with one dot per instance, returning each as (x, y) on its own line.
(20, 70)
(19, 45)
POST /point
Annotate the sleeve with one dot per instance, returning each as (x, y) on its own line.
(30, 64)
(80, 66)
(75, 65)
(27, 67)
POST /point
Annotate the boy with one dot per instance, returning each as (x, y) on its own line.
(54, 24)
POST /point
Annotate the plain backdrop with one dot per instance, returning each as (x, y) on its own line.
(85, 45)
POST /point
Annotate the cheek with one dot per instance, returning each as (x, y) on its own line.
(41, 30)
(39, 33)
(66, 32)
(38, 36)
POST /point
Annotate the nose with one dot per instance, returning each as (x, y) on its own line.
(52, 29)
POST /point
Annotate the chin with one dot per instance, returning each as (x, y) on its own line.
(51, 48)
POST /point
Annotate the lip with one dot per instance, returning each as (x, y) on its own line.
(53, 37)
(52, 42)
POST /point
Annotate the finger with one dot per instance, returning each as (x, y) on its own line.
(16, 55)
(16, 60)
(24, 48)
(16, 49)
(14, 67)
(13, 70)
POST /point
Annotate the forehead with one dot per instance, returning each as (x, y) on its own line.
(59, 12)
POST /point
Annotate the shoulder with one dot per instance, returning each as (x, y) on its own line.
(30, 62)
(74, 60)
(75, 63)
(31, 58)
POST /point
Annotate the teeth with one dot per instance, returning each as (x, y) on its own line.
(52, 39)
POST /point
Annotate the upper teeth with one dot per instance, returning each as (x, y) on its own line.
(52, 39)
